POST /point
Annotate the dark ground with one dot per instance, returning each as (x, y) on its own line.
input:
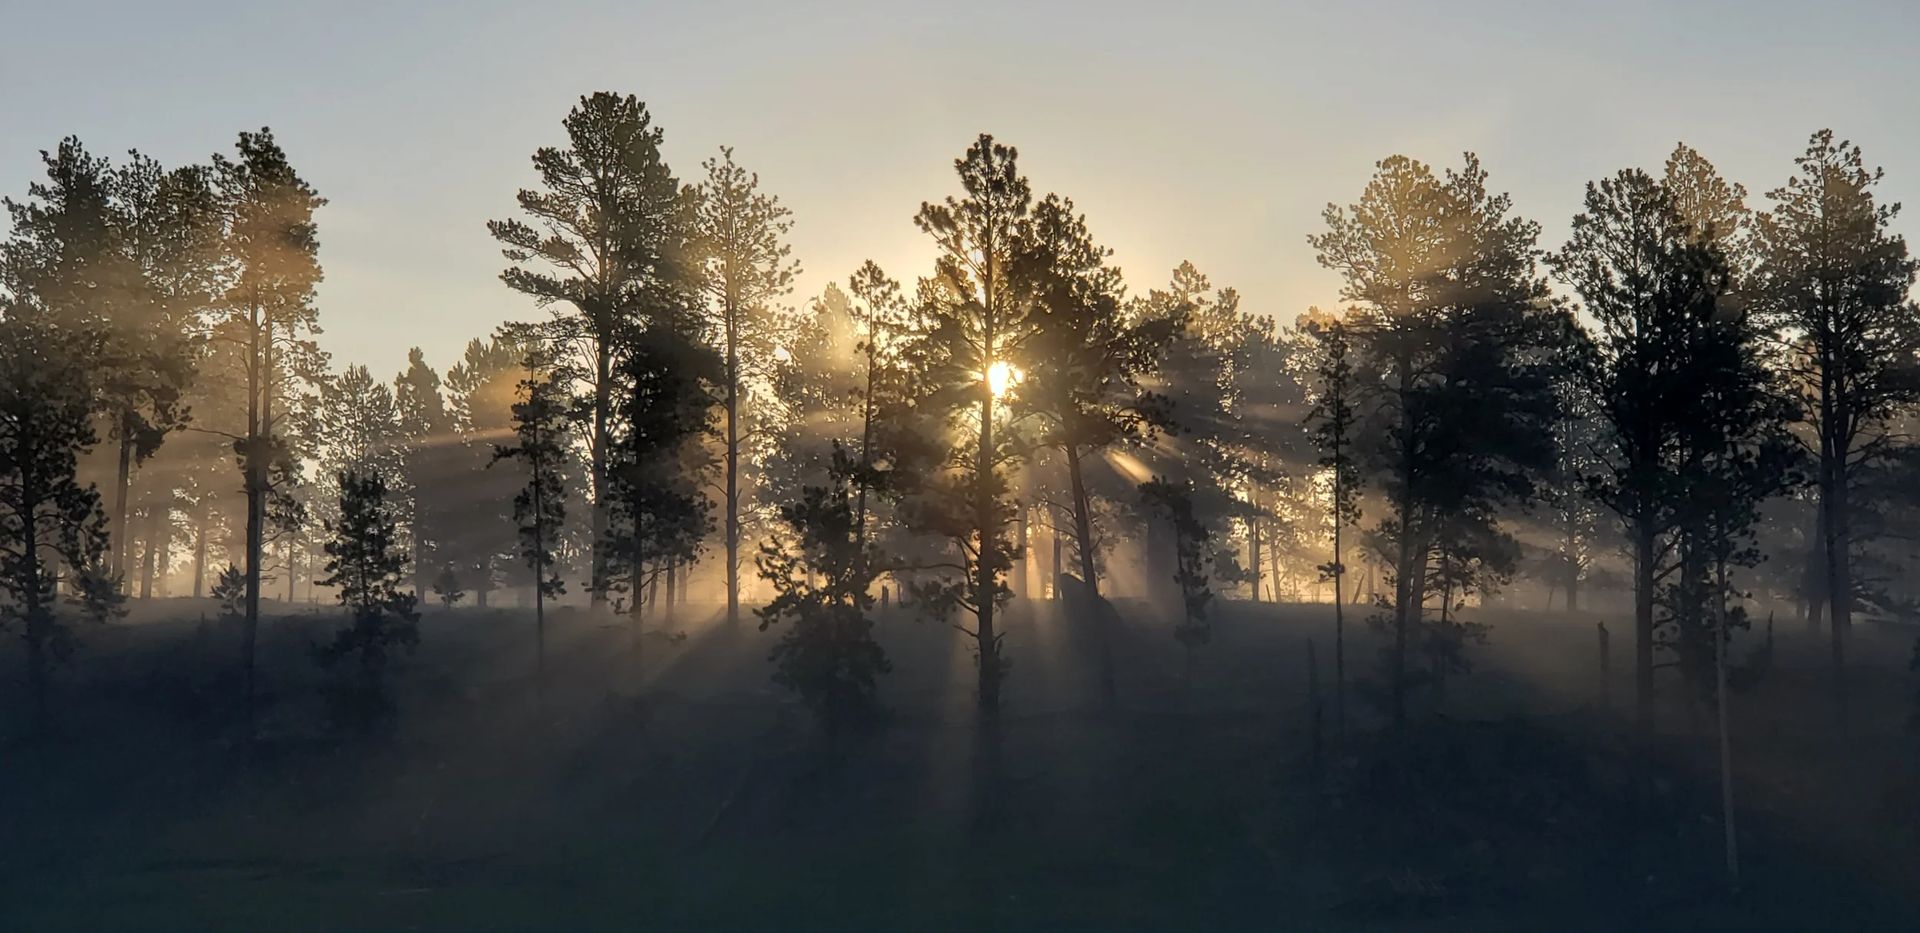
(709, 804)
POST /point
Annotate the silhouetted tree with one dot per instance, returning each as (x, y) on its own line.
(1175, 500)
(1087, 361)
(230, 592)
(127, 252)
(168, 226)
(271, 249)
(430, 464)
(447, 588)
(368, 565)
(540, 507)
(606, 251)
(1449, 331)
(1834, 280)
(980, 320)
(50, 525)
(477, 527)
(822, 570)
(1334, 422)
(739, 234)
(1086, 366)
(1653, 293)
(660, 515)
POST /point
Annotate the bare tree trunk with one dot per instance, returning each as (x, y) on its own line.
(200, 554)
(1020, 566)
(1054, 564)
(1253, 553)
(1814, 581)
(1273, 574)
(1339, 635)
(1839, 587)
(259, 423)
(1643, 573)
(156, 544)
(1409, 590)
(1606, 666)
(1083, 542)
(123, 479)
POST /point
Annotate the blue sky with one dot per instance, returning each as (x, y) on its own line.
(1205, 131)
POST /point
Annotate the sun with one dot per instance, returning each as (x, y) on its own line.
(1001, 377)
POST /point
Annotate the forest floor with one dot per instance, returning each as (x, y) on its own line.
(676, 788)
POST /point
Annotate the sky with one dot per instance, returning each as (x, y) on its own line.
(1209, 132)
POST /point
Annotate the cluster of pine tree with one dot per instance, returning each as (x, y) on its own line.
(1709, 386)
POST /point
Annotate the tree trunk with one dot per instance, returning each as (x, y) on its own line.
(1643, 572)
(1020, 567)
(1726, 741)
(986, 513)
(123, 479)
(1339, 635)
(1253, 555)
(1083, 542)
(1057, 559)
(1839, 588)
(156, 544)
(602, 441)
(35, 612)
(989, 524)
(1408, 592)
(1815, 579)
(259, 421)
(1273, 575)
(733, 463)
(200, 554)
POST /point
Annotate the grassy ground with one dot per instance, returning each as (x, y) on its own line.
(680, 790)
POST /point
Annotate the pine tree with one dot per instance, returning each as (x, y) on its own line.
(1334, 422)
(50, 525)
(431, 464)
(271, 246)
(447, 588)
(540, 424)
(660, 512)
(1833, 279)
(1190, 536)
(822, 569)
(1450, 329)
(739, 234)
(606, 249)
(1695, 429)
(127, 253)
(1089, 363)
(476, 529)
(168, 229)
(368, 565)
(1086, 371)
(979, 311)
